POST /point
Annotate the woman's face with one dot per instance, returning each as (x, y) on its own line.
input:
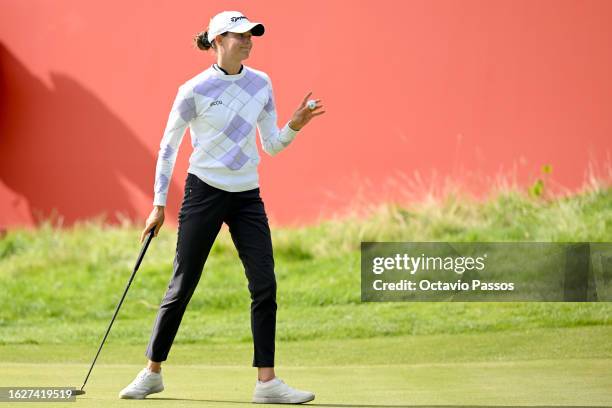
(236, 45)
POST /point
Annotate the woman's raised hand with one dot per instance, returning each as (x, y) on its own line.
(304, 114)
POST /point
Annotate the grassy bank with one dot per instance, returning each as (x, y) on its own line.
(61, 286)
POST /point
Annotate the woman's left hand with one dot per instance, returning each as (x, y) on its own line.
(304, 114)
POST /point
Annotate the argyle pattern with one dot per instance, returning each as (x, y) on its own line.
(222, 115)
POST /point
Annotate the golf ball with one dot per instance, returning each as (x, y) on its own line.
(312, 104)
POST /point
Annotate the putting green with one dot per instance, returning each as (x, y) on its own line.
(544, 367)
(540, 382)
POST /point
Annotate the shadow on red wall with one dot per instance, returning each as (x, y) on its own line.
(64, 150)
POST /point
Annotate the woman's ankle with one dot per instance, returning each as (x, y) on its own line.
(265, 374)
(154, 366)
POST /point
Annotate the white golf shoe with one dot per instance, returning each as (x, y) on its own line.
(276, 391)
(146, 382)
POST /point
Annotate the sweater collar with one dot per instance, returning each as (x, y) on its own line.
(221, 73)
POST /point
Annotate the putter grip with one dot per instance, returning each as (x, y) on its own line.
(144, 248)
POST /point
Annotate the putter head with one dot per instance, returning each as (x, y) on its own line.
(78, 392)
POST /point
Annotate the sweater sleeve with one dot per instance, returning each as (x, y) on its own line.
(183, 111)
(272, 139)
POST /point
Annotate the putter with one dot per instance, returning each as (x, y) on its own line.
(140, 256)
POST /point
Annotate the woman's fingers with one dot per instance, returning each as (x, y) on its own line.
(305, 99)
(142, 236)
(303, 115)
(148, 229)
(306, 109)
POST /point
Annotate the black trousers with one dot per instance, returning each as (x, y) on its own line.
(202, 213)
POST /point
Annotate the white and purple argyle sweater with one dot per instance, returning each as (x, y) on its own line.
(222, 112)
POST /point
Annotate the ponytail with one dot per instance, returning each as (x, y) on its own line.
(201, 41)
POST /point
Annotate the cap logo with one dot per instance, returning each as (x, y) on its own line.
(234, 19)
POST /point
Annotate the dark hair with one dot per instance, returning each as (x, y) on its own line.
(201, 41)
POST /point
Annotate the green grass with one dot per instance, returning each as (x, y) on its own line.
(548, 383)
(552, 367)
(60, 288)
(518, 345)
(52, 278)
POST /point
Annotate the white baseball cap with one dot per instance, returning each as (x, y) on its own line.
(234, 22)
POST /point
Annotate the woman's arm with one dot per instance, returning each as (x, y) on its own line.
(274, 140)
(183, 111)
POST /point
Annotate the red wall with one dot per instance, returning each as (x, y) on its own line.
(467, 90)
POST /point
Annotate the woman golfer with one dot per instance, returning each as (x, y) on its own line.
(222, 106)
